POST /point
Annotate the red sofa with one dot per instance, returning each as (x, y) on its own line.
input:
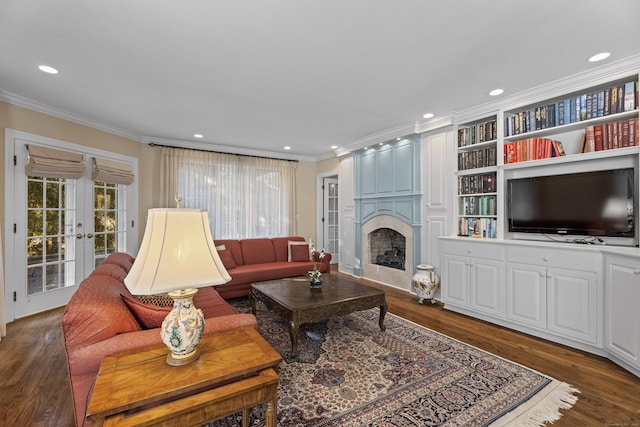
(256, 260)
(103, 318)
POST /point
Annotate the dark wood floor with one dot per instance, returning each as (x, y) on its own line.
(35, 387)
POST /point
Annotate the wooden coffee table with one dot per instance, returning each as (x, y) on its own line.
(294, 300)
(235, 372)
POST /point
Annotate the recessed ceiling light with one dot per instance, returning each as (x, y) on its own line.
(333, 147)
(198, 135)
(496, 92)
(427, 115)
(48, 69)
(599, 56)
(286, 147)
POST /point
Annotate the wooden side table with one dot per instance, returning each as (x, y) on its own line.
(236, 371)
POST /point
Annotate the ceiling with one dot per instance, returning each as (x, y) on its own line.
(254, 76)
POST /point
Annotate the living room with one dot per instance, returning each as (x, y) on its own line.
(28, 115)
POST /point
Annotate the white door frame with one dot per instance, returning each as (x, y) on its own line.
(319, 210)
(10, 238)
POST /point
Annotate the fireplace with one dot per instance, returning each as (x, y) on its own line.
(387, 247)
(388, 251)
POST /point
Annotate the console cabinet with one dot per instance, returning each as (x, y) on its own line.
(555, 290)
(554, 293)
(475, 274)
(622, 310)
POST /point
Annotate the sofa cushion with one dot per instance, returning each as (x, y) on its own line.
(148, 315)
(97, 312)
(257, 251)
(298, 251)
(268, 271)
(122, 259)
(232, 246)
(161, 300)
(111, 270)
(281, 246)
(227, 259)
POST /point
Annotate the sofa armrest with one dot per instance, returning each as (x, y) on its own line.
(86, 360)
(325, 263)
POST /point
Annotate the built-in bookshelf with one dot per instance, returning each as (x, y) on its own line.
(477, 205)
(477, 193)
(477, 144)
(600, 118)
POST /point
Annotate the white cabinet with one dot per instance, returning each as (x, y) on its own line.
(559, 300)
(554, 290)
(473, 277)
(527, 295)
(622, 309)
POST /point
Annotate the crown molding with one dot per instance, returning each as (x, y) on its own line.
(39, 107)
(376, 138)
(555, 89)
(435, 123)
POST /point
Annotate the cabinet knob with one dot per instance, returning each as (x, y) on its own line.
(542, 275)
(636, 271)
(545, 259)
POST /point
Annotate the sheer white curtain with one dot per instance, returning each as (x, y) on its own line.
(245, 196)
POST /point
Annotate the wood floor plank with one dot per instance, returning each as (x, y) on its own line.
(36, 392)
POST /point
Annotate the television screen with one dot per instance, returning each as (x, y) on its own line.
(598, 203)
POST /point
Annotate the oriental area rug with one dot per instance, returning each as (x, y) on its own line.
(349, 373)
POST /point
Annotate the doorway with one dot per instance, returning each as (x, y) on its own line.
(328, 230)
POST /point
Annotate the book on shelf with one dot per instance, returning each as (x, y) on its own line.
(609, 136)
(630, 96)
(481, 132)
(575, 108)
(532, 149)
(477, 227)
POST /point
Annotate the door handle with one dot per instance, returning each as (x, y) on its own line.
(90, 235)
(79, 236)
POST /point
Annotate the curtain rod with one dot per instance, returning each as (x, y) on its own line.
(153, 144)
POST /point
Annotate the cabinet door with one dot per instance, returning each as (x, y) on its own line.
(527, 295)
(622, 296)
(571, 304)
(487, 287)
(455, 280)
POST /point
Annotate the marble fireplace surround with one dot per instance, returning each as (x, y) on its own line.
(388, 275)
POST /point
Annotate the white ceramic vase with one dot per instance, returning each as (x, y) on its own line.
(425, 283)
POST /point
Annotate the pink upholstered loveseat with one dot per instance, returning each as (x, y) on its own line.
(257, 260)
(103, 318)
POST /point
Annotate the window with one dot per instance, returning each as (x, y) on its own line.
(246, 197)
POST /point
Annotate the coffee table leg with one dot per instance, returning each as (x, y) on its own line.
(252, 300)
(293, 333)
(383, 311)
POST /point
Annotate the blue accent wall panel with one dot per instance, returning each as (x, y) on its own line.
(403, 168)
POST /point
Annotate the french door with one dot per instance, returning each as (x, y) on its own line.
(59, 230)
(331, 231)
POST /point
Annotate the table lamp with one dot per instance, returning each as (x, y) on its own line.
(177, 256)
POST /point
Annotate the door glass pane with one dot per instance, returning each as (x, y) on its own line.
(110, 219)
(49, 236)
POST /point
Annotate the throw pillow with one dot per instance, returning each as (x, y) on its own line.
(161, 300)
(148, 315)
(298, 251)
(227, 259)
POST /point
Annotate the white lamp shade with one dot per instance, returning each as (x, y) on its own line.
(177, 252)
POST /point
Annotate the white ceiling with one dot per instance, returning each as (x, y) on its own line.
(256, 75)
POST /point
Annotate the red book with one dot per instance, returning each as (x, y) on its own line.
(624, 139)
(633, 131)
(597, 136)
(590, 144)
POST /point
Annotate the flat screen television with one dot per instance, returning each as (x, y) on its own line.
(598, 203)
